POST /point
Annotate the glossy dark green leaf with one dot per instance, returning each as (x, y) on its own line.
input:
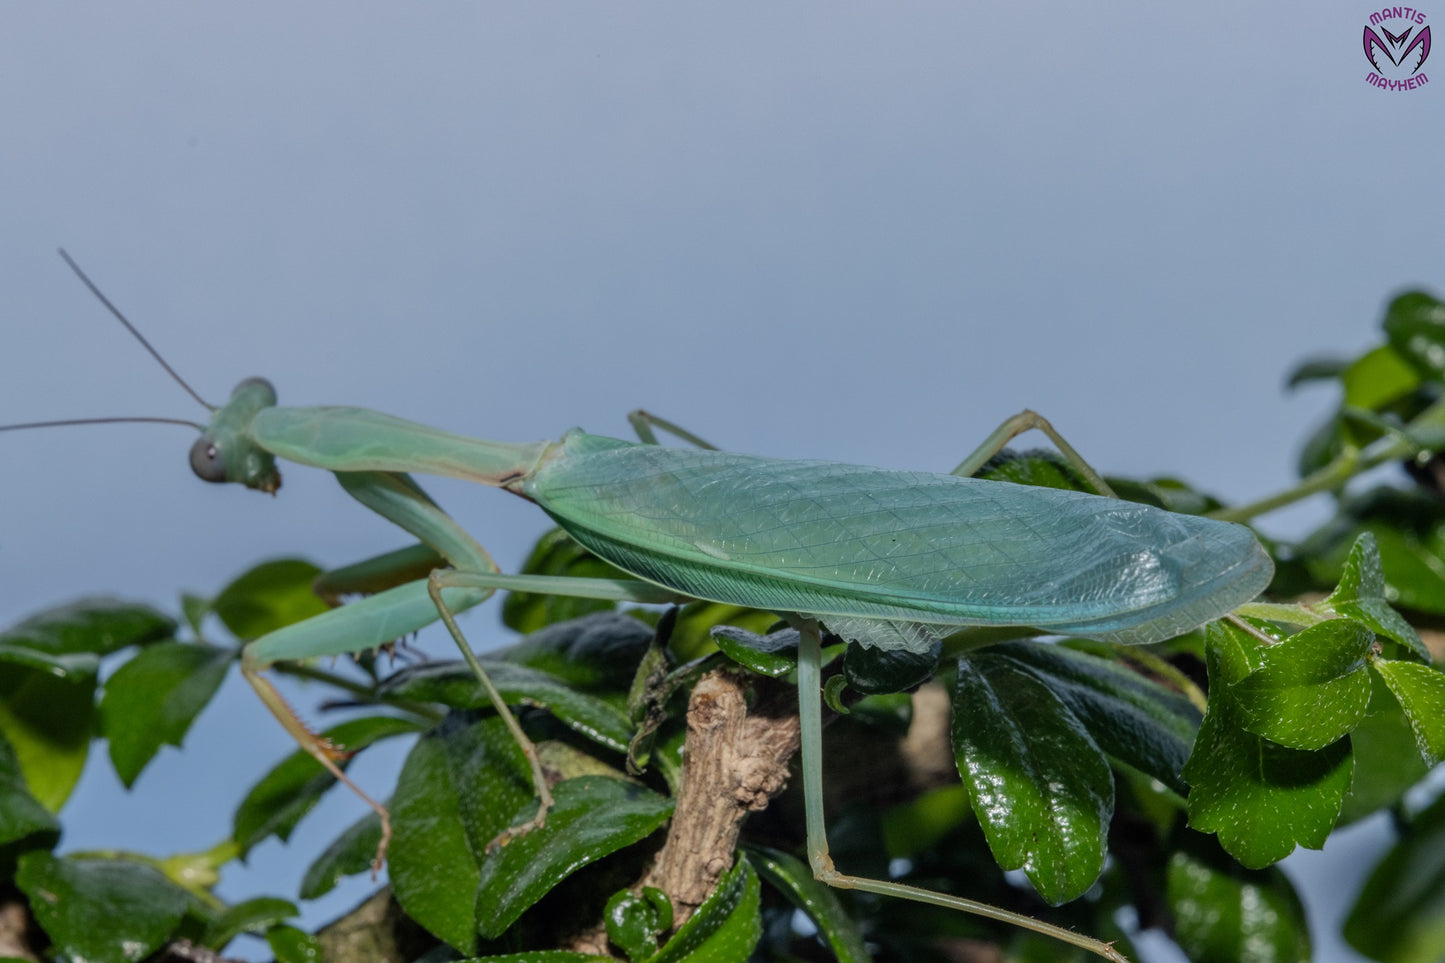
(1399, 916)
(1039, 784)
(773, 655)
(21, 815)
(1038, 467)
(349, 854)
(48, 721)
(1312, 688)
(1421, 692)
(96, 625)
(1377, 378)
(292, 945)
(288, 792)
(252, 916)
(1387, 763)
(635, 920)
(1415, 326)
(595, 652)
(556, 553)
(792, 877)
(463, 783)
(1361, 596)
(593, 816)
(725, 927)
(692, 635)
(454, 685)
(101, 910)
(872, 670)
(1132, 718)
(1225, 914)
(1260, 798)
(152, 700)
(268, 597)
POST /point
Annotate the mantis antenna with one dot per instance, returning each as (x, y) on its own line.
(133, 330)
(125, 419)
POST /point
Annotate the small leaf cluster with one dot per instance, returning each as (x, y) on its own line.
(1073, 781)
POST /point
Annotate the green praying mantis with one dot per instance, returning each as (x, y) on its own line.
(891, 559)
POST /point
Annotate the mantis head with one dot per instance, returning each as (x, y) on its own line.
(226, 452)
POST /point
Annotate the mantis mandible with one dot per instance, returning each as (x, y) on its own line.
(891, 559)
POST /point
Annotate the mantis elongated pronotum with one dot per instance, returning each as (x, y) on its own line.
(883, 558)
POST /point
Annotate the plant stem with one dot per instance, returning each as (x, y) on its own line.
(1346, 465)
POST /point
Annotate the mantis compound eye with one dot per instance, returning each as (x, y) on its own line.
(207, 461)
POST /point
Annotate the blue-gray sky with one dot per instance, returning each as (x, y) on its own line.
(848, 231)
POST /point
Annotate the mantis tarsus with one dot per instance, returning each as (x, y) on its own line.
(883, 558)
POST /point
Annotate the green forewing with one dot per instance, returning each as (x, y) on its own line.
(850, 543)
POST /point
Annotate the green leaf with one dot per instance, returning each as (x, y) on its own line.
(1421, 692)
(1377, 378)
(1225, 914)
(101, 910)
(153, 699)
(1133, 719)
(1038, 467)
(691, 636)
(556, 553)
(97, 625)
(1312, 689)
(47, 687)
(917, 825)
(349, 854)
(288, 792)
(292, 945)
(542, 956)
(1361, 596)
(1039, 784)
(21, 815)
(1415, 326)
(268, 597)
(461, 785)
(592, 653)
(773, 655)
(1387, 763)
(1262, 799)
(871, 670)
(1399, 916)
(725, 927)
(593, 817)
(792, 877)
(48, 722)
(634, 920)
(1316, 369)
(454, 685)
(252, 916)
(195, 608)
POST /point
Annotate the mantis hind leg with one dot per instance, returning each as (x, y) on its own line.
(1016, 425)
(810, 661)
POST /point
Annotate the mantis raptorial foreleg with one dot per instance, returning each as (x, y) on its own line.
(385, 617)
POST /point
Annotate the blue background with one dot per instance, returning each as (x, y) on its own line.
(847, 231)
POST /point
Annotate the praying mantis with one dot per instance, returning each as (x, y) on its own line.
(889, 559)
